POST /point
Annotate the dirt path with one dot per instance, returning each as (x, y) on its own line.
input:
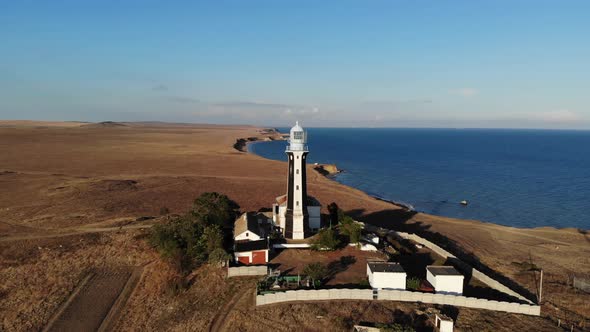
(96, 303)
(219, 320)
(72, 231)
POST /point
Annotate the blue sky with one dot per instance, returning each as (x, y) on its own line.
(507, 64)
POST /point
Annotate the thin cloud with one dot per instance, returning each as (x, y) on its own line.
(160, 87)
(183, 100)
(251, 104)
(302, 110)
(465, 92)
(387, 103)
(562, 116)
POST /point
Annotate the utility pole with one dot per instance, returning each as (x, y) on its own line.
(541, 287)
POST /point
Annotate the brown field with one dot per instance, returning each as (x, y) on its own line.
(293, 261)
(70, 196)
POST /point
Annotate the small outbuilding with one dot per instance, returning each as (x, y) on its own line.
(445, 279)
(251, 252)
(386, 275)
(443, 323)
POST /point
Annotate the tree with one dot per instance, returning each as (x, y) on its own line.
(218, 257)
(212, 238)
(212, 208)
(326, 239)
(315, 271)
(351, 228)
(333, 210)
(190, 240)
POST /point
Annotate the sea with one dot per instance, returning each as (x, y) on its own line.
(520, 178)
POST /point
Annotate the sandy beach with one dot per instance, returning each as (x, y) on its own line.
(61, 177)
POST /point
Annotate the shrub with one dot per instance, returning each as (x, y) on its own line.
(178, 241)
(413, 283)
(351, 229)
(218, 257)
(364, 283)
(316, 272)
(190, 240)
(175, 285)
(212, 238)
(326, 238)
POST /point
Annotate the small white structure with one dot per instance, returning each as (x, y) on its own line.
(443, 323)
(368, 247)
(445, 279)
(371, 238)
(386, 275)
(363, 328)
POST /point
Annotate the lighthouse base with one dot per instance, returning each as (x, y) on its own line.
(295, 226)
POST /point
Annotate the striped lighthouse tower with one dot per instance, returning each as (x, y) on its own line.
(296, 215)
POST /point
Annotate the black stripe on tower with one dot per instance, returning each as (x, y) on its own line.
(306, 228)
(289, 212)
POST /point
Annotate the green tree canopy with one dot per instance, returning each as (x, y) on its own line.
(190, 240)
(351, 229)
(326, 239)
(213, 208)
(316, 271)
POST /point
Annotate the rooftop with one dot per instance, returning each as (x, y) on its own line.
(443, 270)
(248, 221)
(245, 223)
(385, 267)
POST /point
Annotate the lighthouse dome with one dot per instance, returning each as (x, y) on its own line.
(297, 138)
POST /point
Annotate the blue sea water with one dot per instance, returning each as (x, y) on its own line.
(521, 178)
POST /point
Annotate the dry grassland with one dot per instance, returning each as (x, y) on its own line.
(68, 179)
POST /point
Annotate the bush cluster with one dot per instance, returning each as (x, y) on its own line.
(351, 229)
(326, 239)
(196, 237)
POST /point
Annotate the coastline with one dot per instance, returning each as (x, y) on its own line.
(79, 181)
(406, 206)
(244, 144)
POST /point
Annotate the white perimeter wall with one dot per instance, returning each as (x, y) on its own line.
(492, 283)
(259, 270)
(398, 295)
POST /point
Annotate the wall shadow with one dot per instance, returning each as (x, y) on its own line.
(400, 220)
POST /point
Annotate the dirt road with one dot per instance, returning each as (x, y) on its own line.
(219, 320)
(69, 232)
(97, 301)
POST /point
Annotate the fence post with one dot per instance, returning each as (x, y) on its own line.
(541, 288)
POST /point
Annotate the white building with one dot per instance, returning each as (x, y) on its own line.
(295, 213)
(443, 323)
(251, 227)
(445, 279)
(386, 275)
(251, 252)
(251, 244)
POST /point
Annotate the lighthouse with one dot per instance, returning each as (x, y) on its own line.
(296, 213)
(296, 216)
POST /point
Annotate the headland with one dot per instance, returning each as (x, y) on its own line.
(60, 181)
